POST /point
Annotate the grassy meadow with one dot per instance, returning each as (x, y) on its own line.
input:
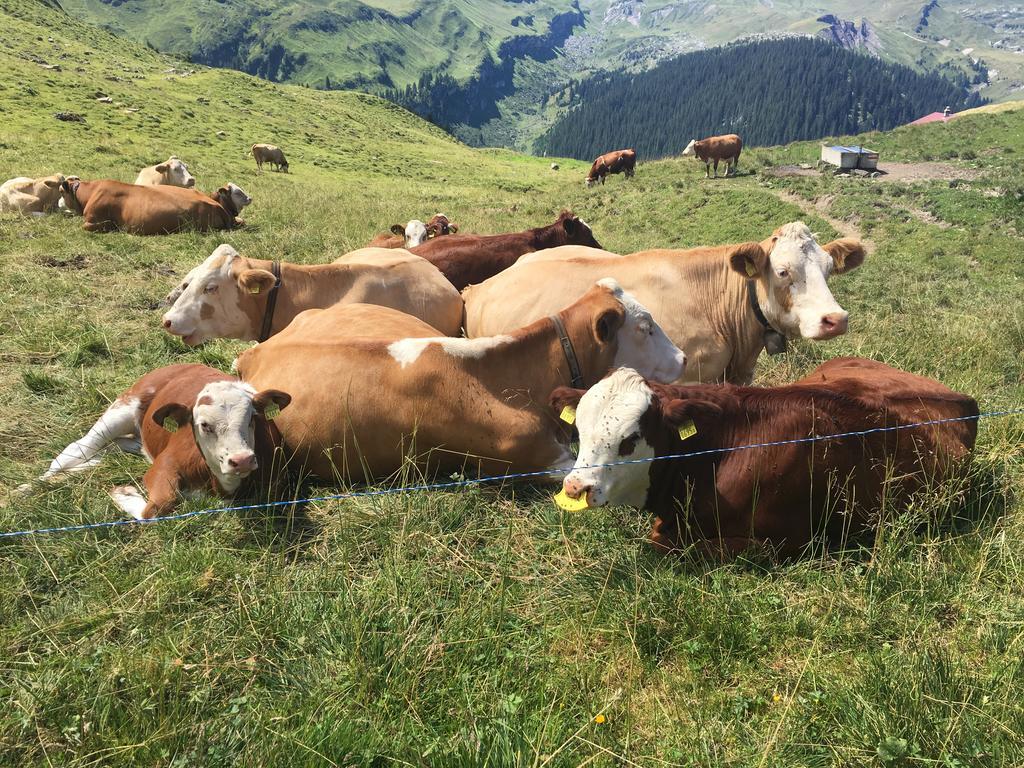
(483, 626)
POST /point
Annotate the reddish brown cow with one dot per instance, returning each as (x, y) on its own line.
(414, 233)
(777, 495)
(471, 259)
(715, 148)
(150, 210)
(202, 429)
(620, 161)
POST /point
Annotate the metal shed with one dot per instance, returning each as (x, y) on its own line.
(849, 158)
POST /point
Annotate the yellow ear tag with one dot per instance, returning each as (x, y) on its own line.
(170, 424)
(751, 270)
(271, 411)
(568, 415)
(256, 288)
(687, 429)
(570, 504)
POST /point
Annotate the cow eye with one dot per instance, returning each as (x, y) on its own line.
(783, 273)
(207, 428)
(211, 288)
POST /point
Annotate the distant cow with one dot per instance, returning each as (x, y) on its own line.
(728, 500)
(414, 233)
(620, 161)
(470, 259)
(716, 148)
(202, 430)
(140, 210)
(33, 197)
(173, 172)
(268, 153)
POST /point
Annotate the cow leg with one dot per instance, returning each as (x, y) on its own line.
(716, 167)
(161, 482)
(707, 169)
(664, 536)
(119, 422)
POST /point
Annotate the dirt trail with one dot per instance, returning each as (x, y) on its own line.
(922, 171)
(820, 208)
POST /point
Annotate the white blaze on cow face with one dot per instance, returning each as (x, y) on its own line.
(690, 148)
(176, 173)
(642, 344)
(224, 425)
(208, 302)
(609, 418)
(238, 196)
(415, 233)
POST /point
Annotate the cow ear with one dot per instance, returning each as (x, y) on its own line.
(172, 416)
(256, 280)
(51, 183)
(748, 259)
(569, 224)
(270, 402)
(162, 168)
(608, 322)
(677, 412)
(398, 229)
(846, 254)
(453, 229)
(565, 397)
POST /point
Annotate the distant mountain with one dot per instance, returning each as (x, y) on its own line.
(769, 92)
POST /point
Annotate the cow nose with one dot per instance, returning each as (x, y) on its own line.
(167, 324)
(190, 183)
(242, 462)
(574, 487)
(834, 324)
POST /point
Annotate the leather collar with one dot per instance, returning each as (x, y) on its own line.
(268, 314)
(774, 342)
(570, 353)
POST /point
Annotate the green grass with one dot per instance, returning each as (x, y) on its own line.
(480, 627)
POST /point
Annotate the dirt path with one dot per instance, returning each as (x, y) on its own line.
(923, 171)
(820, 208)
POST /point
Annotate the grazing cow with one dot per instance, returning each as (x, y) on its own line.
(139, 210)
(716, 148)
(173, 172)
(362, 405)
(268, 153)
(414, 233)
(620, 161)
(31, 197)
(720, 305)
(779, 495)
(202, 430)
(467, 259)
(234, 297)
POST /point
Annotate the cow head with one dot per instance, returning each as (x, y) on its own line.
(235, 197)
(439, 225)
(218, 299)
(577, 231)
(69, 195)
(224, 421)
(48, 190)
(414, 233)
(175, 173)
(691, 149)
(791, 269)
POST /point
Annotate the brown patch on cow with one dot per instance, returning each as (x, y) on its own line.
(206, 311)
(205, 400)
(627, 446)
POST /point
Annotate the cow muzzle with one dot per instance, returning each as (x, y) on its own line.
(833, 324)
(242, 464)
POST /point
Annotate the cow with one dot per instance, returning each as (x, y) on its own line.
(141, 210)
(31, 197)
(232, 199)
(715, 148)
(620, 161)
(201, 430)
(268, 153)
(364, 404)
(467, 259)
(730, 498)
(414, 233)
(172, 172)
(234, 297)
(721, 305)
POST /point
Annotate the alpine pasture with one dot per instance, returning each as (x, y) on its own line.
(481, 625)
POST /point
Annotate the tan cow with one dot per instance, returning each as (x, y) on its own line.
(710, 301)
(268, 153)
(362, 405)
(140, 210)
(715, 148)
(229, 296)
(31, 197)
(172, 172)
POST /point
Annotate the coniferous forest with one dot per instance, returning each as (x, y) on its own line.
(769, 92)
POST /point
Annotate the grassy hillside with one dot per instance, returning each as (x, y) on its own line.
(481, 627)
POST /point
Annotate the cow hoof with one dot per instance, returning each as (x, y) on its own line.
(129, 500)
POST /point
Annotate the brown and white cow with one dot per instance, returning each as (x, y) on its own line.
(710, 301)
(31, 197)
(362, 405)
(469, 259)
(716, 148)
(151, 210)
(201, 429)
(172, 172)
(726, 500)
(620, 161)
(230, 296)
(268, 153)
(414, 233)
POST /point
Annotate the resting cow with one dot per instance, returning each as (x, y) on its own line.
(268, 153)
(710, 301)
(620, 161)
(362, 405)
(151, 210)
(230, 296)
(716, 148)
(779, 495)
(202, 430)
(467, 259)
(31, 197)
(172, 172)
(414, 233)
